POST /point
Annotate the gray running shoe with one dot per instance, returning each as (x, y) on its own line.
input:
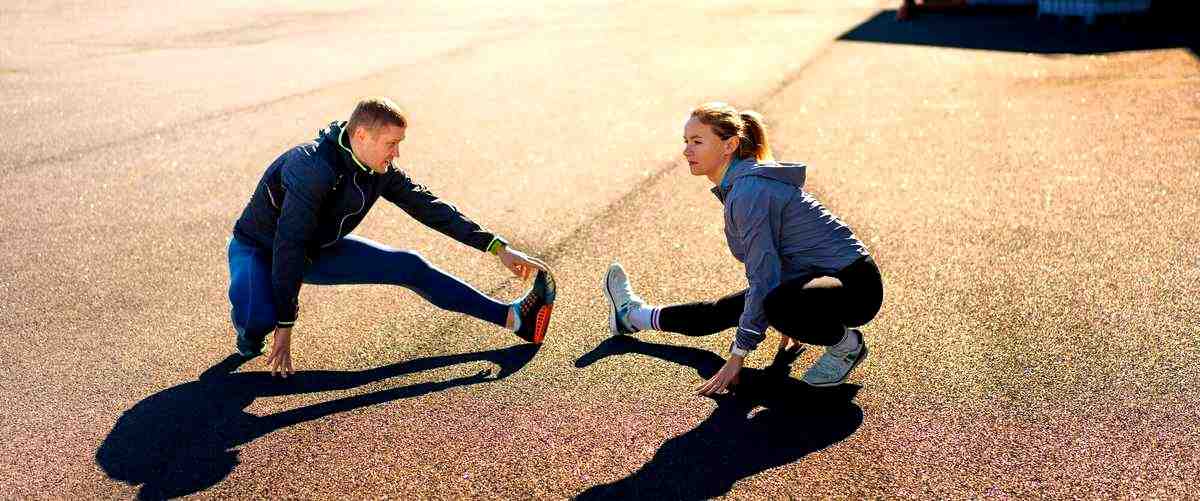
(835, 365)
(621, 300)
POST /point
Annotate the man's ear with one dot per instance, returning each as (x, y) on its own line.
(359, 134)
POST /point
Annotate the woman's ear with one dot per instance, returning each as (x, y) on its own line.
(731, 145)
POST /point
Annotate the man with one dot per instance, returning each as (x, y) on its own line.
(296, 228)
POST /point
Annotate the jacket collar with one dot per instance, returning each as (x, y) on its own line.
(736, 169)
(348, 156)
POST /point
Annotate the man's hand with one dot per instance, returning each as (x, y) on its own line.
(520, 264)
(280, 359)
(723, 378)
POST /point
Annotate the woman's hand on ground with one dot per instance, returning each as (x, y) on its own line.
(720, 381)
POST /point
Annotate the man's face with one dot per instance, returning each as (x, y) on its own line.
(377, 148)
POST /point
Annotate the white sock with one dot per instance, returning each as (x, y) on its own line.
(849, 341)
(644, 317)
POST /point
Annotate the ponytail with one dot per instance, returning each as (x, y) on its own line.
(754, 141)
(747, 125)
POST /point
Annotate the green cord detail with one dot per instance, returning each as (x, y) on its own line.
(341, 136)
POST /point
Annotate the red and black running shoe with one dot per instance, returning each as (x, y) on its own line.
(535, 308)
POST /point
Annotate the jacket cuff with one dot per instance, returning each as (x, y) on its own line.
(496, 244)
(286, 320)
(734, 350)
(747, 340)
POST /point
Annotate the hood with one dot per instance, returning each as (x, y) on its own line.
(786, 172)
(330, 132)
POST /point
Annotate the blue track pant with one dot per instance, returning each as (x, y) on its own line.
(354, 260)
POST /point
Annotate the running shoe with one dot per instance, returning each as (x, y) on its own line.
(621, 300)
(835, 364)
(535, 308)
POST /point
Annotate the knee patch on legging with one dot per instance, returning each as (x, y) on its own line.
(413, 266)
(776, 310)
(794, 316)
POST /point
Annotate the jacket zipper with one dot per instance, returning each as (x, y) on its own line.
(337, 236)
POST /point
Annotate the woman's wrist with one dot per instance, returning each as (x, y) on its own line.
(735, 351)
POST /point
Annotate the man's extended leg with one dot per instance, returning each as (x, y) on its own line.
(355, 260)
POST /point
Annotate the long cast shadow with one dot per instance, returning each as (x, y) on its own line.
(734, 442)
(989, 30)
(183, 440)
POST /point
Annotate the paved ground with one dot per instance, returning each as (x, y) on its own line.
(1033, 213)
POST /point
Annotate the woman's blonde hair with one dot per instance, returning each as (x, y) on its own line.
(747, 125)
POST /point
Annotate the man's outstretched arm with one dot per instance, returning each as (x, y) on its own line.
(438, 214)
(444, 217)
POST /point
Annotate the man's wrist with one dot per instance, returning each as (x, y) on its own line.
(497, 245)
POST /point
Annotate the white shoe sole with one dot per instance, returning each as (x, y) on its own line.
(612, 305)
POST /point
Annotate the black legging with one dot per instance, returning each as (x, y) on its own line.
(815, 315)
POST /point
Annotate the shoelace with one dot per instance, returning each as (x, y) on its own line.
(838, 356)
(826, 366)
(533, 298)
(627, 291)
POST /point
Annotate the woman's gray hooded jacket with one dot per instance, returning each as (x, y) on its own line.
(780, 232)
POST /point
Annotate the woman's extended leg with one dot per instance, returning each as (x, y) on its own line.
(702, 318)
(628, 313)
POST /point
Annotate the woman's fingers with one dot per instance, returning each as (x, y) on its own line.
(713, 385)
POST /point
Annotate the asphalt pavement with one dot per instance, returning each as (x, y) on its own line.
(1031, 199)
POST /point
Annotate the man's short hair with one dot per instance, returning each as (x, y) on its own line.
(375, 112)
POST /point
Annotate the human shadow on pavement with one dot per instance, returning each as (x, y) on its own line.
(988, 30)
(184, 439)
(771, 420)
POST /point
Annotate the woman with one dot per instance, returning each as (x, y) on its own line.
(809, 276)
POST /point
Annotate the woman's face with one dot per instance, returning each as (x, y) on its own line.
(706, 153)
